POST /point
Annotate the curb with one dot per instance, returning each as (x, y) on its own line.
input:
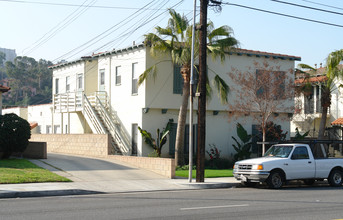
(46, 193)
(209, 185)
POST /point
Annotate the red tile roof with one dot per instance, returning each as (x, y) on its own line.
(338, 121)
(311, 80)
(4, 88)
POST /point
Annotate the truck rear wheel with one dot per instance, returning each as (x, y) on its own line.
(335, 178)
(275, 180)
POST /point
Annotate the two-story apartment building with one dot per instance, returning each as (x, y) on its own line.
(99, 94)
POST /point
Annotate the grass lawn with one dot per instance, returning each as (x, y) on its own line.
(23, 171)
(209, 173)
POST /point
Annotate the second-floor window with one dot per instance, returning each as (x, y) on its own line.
(270, 84)
(56, 86)
(80, 81)
(134, 79)
(67, 83)
(102, 77)
(178, 79)
(118, 75)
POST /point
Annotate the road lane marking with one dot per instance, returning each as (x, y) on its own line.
(214, 207)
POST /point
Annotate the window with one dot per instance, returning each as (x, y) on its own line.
(102, 77)
(300, 153)
(67, 83)
(178, 79)
(48, 129)
(80, 81)
(134, 79)
(270, 84)
(56, 86)
(118, 75)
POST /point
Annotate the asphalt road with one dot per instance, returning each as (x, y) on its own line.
(319, 202)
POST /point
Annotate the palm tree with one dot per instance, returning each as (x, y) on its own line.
(176, 40)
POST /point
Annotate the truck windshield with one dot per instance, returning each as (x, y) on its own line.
(278, 151)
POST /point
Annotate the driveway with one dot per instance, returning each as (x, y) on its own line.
(104, 175)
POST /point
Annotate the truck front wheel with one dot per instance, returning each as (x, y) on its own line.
(335, 178)
(275, 180)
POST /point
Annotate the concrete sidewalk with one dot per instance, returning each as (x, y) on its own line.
(98, 175)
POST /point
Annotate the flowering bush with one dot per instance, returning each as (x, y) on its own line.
(213, 153)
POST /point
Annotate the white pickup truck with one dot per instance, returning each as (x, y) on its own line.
(284, 162)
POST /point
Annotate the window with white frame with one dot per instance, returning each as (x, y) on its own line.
(134, 79)
(67, 83)
(80, 81)
(102, 77)
(118, 75)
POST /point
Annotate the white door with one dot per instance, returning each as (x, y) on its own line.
(102, 80)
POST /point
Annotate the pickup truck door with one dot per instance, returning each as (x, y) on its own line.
(300, 165)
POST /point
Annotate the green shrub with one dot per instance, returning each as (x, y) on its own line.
(14, 134)
(184, 167)
(219, 164)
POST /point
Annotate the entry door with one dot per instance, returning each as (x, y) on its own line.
(300, 166)
(134, 134)
(102, 80)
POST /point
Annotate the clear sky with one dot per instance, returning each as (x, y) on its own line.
(60, 29)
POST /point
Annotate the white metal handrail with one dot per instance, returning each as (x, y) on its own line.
(92, 118)
(121, 140)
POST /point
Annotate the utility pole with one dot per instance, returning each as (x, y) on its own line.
(200, 174)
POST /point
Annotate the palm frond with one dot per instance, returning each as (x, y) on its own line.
(223, 89)
(332, 62)
(146, 74)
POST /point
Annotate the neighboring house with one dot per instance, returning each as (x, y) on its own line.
(99, 94)
(3, 89)
(308, 110)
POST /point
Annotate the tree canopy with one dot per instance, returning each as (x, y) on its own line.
(30, 82)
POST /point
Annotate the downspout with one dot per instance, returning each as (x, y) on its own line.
(110, 86)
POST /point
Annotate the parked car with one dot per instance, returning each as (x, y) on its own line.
(285, 162)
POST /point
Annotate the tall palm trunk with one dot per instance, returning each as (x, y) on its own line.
(180, 133)
(322, 123)
(326, 103)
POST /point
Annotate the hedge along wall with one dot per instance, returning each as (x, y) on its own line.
(99, 145)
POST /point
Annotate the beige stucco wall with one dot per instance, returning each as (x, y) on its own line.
(90, 77)
(76, 144)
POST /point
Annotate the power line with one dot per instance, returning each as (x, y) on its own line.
(60, 26)
(75, 5)
(316, 3)
(281, 14)
(103, 34)
(307, 7)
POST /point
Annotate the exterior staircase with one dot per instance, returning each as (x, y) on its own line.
(101, 118)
